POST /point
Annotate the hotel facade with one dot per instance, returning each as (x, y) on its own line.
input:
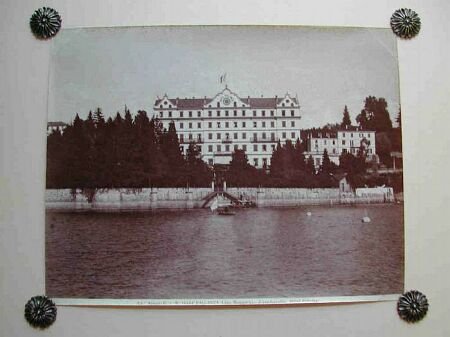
(227, 122)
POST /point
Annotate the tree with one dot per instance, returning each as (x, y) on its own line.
(399, 118)
(375, 115)
(346, 121)
(240, 172)
(326, 166)
(310, 168)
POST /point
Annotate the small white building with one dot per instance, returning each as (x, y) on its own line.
(349, 140)
(55, 126)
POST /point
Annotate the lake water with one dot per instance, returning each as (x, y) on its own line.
(264, 252)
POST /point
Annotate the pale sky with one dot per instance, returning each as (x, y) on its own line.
(326, 67)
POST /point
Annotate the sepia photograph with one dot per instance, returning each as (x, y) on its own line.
(188, 164)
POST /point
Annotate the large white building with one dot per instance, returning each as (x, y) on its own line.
(337, 142)
(227, 122)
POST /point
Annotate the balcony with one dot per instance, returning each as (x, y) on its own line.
(189, 141)
(227, 141)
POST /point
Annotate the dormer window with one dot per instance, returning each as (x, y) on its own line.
(165, 102)
(287, 101)
(234, 104)
(160, 106)
(218, 104)
(283, 104)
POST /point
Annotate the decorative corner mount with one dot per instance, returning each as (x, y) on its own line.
(40, 312)
(405, 23)
(45, 23)
(412, 306)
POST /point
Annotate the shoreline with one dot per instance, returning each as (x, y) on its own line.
(198, 198)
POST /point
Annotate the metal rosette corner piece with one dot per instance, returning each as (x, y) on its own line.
(405, 23)
(45, 23)
(412, 306)
(40, 312)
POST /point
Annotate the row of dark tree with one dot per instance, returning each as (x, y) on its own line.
(127, 152)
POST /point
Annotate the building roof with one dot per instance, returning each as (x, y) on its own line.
(54, 124)
(253, 102)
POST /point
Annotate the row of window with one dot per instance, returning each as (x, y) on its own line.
(265, 162)
(226, 113)
(228, 148)
(333, 142)
(235, 136)
(226, 125)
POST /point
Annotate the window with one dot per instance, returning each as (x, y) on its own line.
(210, 113)
(283, 124)
(254, 124)
(219, 148)
(334, 142)
(226, 113)
(244, 135)
(199, 125)
(243, 124)
(218, 136)
(244, 147)
(181, 125)
(199, 113)
(263, 135)
(351, 135)
(325, 142)
(255, 161)
(190, 136)
(272, 113)
(255, 137)
(273, 147)
(254, 113)
(317, 161)
(293, 124)
(210, 148)
(181, 113)
(210, 162)
(234, 104)
(218, 113)
(235, 124)
(284, 134)
(218, 104)
(292, 113)
(209, 135)
(227, 136)
(235, 112)
(190, 113)
(263, 113)
(282, 104)
(272, 136)
(210, 125)
(199, 137)
(170, 114)
(265, 162)
(343, 142)
(243, 113)
(218, 125)
(190, 125)
(264, 147)
(181, 138)
(255, 148)
(235, 135)
(263, 124)
(227, 148)
(343, 135)
(283, 113)
(236, 147)
(227, 124)
(272, 124)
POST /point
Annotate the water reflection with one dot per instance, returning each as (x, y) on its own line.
(195, 254)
